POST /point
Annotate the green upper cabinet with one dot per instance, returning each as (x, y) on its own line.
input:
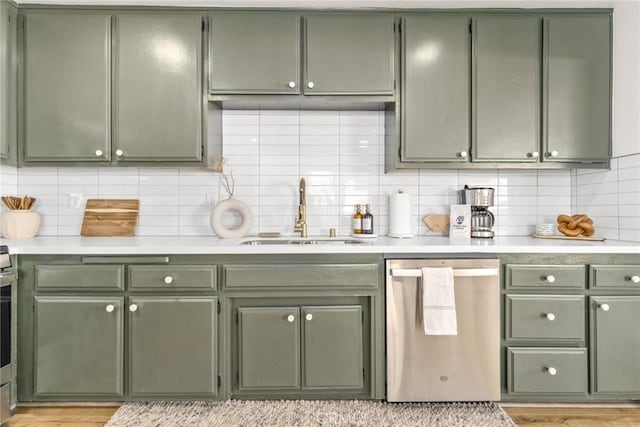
(435, 89)
(332, 347)
(506, 88)
(254, 52)
(577, 88)
(157, 75)
(78, 347)
(615, 352)
(348, 54)
(66, 86)
(172, 346)
(8, 81)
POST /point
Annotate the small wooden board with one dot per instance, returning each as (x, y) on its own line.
(110, 217)
(590, 239)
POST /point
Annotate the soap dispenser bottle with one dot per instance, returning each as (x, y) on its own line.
(357, 220)
(367, 221)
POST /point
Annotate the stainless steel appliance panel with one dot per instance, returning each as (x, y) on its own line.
(465, 367)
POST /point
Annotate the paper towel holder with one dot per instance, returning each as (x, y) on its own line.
(404, 231)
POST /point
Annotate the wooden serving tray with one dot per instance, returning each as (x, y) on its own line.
(590, 239)
(110, 217)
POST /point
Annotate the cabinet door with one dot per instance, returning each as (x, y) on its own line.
(615, 339)
(268, 348)
(348, 54)
(78, 347)
(332, 343)
(158, 95)
(172, 346)
(254, 52)
(67, 92)
(8, 80)
(577, 88)
(435, 90)
(506, 87)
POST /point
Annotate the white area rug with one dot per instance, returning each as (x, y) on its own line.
(283, 413)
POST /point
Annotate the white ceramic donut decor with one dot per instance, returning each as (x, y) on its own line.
(225, 206)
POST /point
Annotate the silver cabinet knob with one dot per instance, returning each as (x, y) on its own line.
(604, 307)
(535, 154)
(292, 84)
(550, 316)
(554, 153)
(119, 153)
(99, 153)
(133, 307)
(309, 316)
(310, 85)
(168, 280)
(291, 318)
(109, 308)
(551, 370)
(550, 278)
(635, 279)
(463, 154)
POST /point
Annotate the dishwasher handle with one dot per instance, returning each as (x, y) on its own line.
(457, 272)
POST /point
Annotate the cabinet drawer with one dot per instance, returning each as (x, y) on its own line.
(546, 370)
(303, 275)
(94, 277)
(549, 317)
(546, 276)
(169, 277)
(625, 277)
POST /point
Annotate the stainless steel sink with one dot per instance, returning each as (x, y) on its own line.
(303, 242)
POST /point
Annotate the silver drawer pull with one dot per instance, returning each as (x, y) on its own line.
(459, 272)
(550, 316)
(309, 316)
(635, 278)
(604, 307)
(109, 308)
(551, 370)
(291, 318)
(168, 280)
(133, 308)
(550, 278)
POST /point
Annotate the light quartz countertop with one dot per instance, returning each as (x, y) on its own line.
(75, 245)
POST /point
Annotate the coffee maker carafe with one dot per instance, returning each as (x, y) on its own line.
(482, 220)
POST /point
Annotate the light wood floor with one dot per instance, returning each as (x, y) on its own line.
(83, 416)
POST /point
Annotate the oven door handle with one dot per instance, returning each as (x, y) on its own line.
(457, 272)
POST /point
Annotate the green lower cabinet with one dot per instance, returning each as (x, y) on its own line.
(544, 317)
(615, 352)
(547, 371)
(332, 347)
(78, 347)
(313, 348)
(172, 346)
(269, 348)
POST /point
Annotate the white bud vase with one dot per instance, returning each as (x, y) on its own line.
(225, 206)
(20, 224)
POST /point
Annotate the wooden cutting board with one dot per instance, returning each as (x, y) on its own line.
(590, 239)
(110, 217)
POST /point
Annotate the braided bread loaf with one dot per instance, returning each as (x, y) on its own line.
(576, 225)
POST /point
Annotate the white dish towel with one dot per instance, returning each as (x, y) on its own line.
(438, 301)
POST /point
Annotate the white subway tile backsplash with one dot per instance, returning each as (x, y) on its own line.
(341, 155)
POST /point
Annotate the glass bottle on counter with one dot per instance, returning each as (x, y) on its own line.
(357, 220)
(367, 221)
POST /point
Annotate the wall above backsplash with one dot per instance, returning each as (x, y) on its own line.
(339, 152)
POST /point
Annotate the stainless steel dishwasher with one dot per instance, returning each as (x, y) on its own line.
(463, 367)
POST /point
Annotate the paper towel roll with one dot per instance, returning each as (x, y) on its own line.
(400, 215)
